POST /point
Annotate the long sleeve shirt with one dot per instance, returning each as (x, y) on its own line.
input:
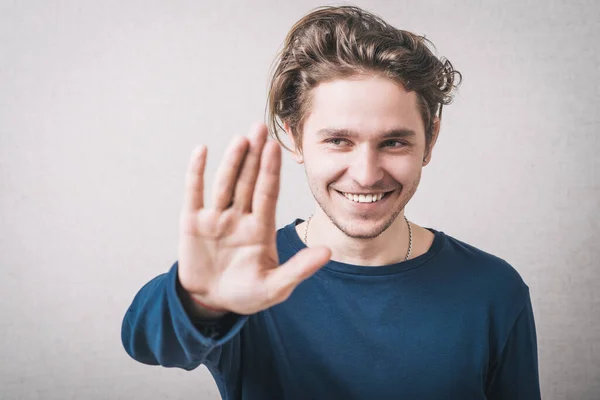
(453, 323)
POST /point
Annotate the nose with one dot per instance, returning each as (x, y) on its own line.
(365, 167)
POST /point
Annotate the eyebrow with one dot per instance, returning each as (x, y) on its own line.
(402, 133)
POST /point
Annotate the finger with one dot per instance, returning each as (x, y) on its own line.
(282, 281)
(228, 172)
(264, 201)
(193, 197)
(245, 184)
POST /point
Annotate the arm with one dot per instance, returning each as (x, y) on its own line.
(514, 375)
(157, 330)
(227, 260)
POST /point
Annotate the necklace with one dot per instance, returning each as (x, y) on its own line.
(407, 223)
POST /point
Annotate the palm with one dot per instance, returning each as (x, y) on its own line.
(235, 261)
(228, 252)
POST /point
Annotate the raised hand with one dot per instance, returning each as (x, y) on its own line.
(227, 252)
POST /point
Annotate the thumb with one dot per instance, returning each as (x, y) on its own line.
(281, 281)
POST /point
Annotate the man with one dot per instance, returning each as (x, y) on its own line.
(357, 302)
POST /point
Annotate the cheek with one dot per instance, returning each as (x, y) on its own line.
(403, 170)
(323, 167)
(320, 177)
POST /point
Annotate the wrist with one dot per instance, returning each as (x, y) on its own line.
(196, 307)
(206, 306)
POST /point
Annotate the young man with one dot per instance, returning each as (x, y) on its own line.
(357, 302)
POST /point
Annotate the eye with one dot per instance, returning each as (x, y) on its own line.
(393, 142)
(336, 141)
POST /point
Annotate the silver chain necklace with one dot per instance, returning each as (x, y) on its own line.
(407, 223)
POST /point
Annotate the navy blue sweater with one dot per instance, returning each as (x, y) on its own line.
(453, 323)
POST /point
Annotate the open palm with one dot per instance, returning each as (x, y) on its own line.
(227, 252)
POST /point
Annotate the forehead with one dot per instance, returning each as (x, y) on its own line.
(366, 104)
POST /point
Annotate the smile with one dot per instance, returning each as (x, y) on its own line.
(364, 197)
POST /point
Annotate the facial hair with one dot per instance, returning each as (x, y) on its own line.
(349, 229)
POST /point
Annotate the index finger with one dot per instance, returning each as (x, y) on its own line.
(266, 190)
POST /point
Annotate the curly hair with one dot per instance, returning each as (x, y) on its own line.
(340, 42)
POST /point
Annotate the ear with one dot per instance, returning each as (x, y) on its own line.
(435, 131)
(296, 154)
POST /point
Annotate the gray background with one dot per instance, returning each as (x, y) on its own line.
(101, 104)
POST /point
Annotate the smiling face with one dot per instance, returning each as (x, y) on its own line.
(363, 136)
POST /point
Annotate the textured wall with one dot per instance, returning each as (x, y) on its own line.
(102, 102)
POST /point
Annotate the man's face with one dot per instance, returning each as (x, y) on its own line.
(363, 136)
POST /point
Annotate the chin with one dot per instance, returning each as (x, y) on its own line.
(360, 224)
(357, 227)
(365, 233)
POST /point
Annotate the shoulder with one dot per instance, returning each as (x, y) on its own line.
(486, 272)
(288, 241)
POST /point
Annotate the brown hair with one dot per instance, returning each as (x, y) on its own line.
(341, 42)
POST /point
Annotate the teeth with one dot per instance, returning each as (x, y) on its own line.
(363, 198)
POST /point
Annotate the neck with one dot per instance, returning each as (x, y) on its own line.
(390, 247)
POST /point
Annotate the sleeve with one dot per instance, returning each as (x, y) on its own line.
(156, 330)
(514, 375)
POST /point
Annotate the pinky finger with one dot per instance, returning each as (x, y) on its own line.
(194, 182)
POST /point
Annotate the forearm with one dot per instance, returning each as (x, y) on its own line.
(157, 331)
